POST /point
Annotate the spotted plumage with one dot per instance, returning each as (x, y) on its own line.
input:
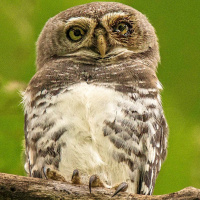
(94, 104)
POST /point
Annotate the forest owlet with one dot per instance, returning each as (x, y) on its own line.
(93, 108)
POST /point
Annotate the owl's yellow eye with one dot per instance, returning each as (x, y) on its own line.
(75, 33)
(122, 28)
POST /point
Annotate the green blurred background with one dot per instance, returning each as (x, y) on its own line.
(178, 27)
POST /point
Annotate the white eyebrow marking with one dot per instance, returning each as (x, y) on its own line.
(72, 19)
(120, 13)
(84, 22)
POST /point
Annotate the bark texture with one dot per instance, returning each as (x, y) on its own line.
(27, 188)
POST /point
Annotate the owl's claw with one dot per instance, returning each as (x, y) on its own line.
(53, 174)
(75, 177)
(95, 181)
(121, 188)
(44, 169)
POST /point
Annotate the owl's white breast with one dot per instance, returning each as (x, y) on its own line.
(83, 110)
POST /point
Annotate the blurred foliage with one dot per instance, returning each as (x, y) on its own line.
(178, 28)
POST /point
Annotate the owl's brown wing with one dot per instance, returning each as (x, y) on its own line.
(41, 136)
(140, 139)
(156, 146)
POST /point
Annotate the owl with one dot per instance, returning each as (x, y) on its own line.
(93, 112)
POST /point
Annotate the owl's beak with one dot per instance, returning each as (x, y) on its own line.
(101, 45)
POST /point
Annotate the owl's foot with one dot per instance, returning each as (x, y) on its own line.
(75, 177)
(120, 188)
(53, 174)
(95, 181)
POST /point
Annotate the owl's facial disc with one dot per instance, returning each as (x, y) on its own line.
(97, 37)
(101, 37)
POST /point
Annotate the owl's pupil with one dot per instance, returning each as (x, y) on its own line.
(77, 32)
(121, 27)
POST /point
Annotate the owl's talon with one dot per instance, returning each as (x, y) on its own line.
(121, 188)
(44, 169)
(53, 174)
(95, 181)
(75, 177)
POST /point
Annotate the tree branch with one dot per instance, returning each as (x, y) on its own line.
(20, 187)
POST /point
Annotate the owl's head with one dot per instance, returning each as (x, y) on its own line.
(98, 32)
